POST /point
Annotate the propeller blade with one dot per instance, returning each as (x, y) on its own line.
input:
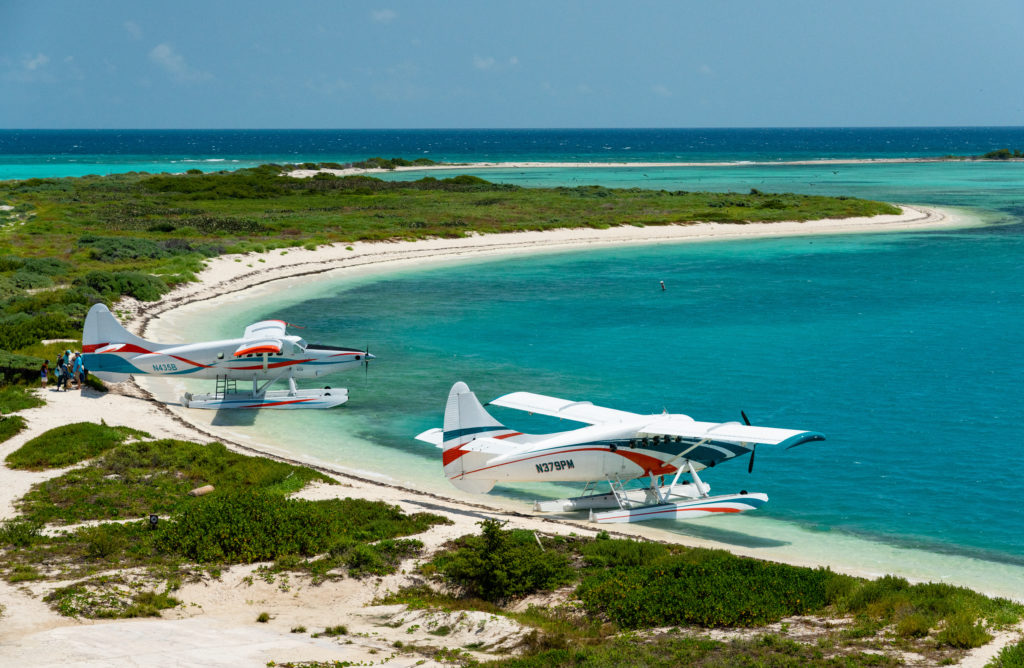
(750, 466)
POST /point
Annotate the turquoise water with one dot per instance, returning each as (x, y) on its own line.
(48, 153)
(915, 381)
(903, 348)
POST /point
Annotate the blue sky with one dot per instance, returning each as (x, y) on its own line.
(406, 64)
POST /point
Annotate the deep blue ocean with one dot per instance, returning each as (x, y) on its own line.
(903, 348)
(28, 153)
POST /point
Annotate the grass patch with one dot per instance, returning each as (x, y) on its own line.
(674, 650)
(10, 425)
(254, 526)
(142, 477)
(69, 444)
(705, 588)
(109, 598)
(1011, 656)
(14, 398)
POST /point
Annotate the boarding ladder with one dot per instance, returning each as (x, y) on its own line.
(619, 491)
(225, 386)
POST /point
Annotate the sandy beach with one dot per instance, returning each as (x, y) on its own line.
(216, 625)
(350, 171)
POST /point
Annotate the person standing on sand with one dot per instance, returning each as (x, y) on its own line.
(43, 370)
(77, 372)
(62, 373)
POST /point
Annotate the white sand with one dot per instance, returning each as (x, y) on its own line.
(216, 625)
(350, 171)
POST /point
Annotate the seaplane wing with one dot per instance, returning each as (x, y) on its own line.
(578, 411)
(725, 432)
(265, 329)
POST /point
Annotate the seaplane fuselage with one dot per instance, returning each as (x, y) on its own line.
(228, 358)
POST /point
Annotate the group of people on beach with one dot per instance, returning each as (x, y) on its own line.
(68, 368)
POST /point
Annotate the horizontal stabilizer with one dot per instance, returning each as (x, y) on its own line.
(490, 446)
(579, 411)
(433, 436)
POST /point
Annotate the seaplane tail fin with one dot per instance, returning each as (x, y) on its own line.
(102, 329)
(466, 420)
(104, 334)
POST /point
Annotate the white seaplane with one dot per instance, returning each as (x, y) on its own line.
(617, 447)
(264, 354)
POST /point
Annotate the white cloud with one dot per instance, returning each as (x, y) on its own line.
(174, 64)
(33, 63)
(133, 29)
(482, 63)
(513, 61)
(705, 69)
(661, 90)
(384, 15)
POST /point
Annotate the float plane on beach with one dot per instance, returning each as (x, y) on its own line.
(478, 452)
(263, 355)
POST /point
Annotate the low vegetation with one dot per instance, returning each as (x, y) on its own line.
(10, 425)
(126, 477)
(1003, 154)
(69, 444)
(1011, 656)
(500, 565)
(73, 242)
(14, 398)
(142, 477)
(625, 594)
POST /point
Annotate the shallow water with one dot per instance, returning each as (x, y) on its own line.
(902, 348)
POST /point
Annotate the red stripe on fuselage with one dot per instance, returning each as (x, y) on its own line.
(649, 465)
(125, 348)
(451, 454)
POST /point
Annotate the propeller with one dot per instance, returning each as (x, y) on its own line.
(366, 362)
(750, 466)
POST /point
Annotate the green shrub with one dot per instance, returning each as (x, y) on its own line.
(1011, 656)
(706, 588)
(606, 552)
(69, 444)
(142, 477)
(21, 329)
(380, 558)
(962, 631)
(245, 527)
(914, 625)
(19, 532)
(498, 565)
(119, 249)
(114, 284)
